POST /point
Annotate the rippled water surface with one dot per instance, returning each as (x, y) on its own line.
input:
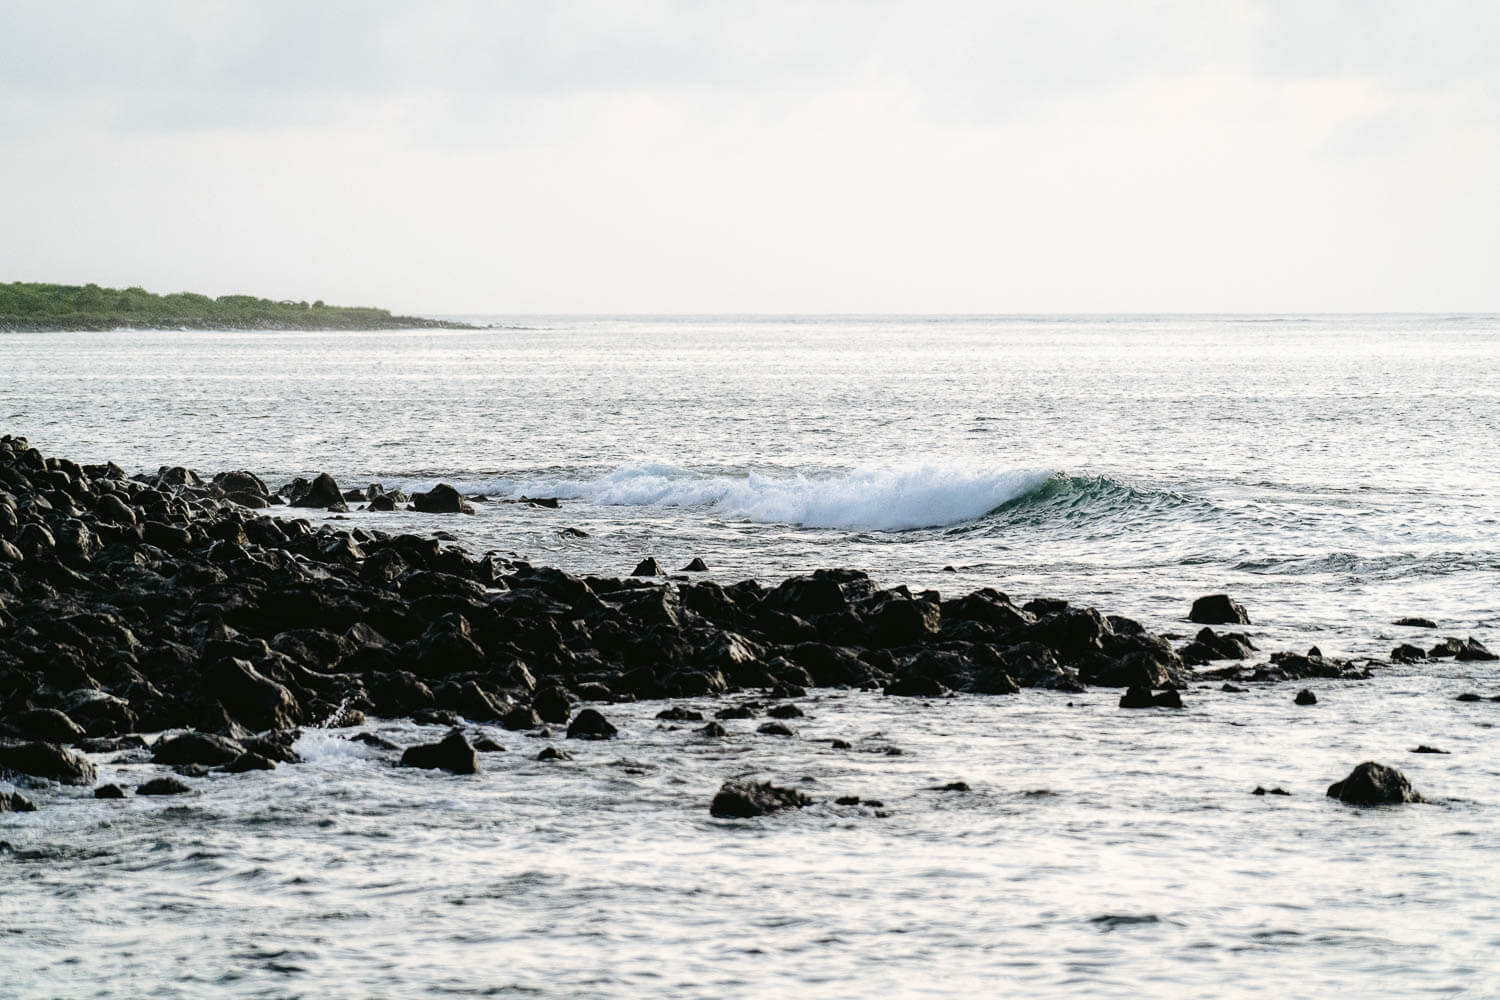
(1333, 472)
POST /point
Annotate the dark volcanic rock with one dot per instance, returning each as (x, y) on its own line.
(195, 748)
(553, 753)
(48, 725)
(441, 499)
(109, 792)
(916, 686)
(1218, 609)
(452, 753)
(1142, 697)
(1415, 622)
(47, 760)
(1424, 748)
(250, 761)
(15, 802)
(743, 800)
(648, 567)
(1372, 784)
(696, 566)
(322, 492)
(590, 725)
(162, 786)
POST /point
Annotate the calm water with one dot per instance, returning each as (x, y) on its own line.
(1333, 472)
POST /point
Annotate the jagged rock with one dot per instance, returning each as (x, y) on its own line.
(744, 800)
(713, 730)
(553, 753)
(441, 499)
(15, 802)
(696, 566)
(1306, 697)
(521, 717)
(322, 492)
(1372, 784)
(648, 567)
(250, 761)
(1142, 697)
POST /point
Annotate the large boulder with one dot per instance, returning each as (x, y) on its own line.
(590, 725)
(452, 753)
(745, 799)
(47, 760)
(1218, 609)
(251, 697)
(1372, 784)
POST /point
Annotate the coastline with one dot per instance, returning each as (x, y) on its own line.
(14, 325)
(176, 604)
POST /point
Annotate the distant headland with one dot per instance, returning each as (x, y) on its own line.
(36, 306)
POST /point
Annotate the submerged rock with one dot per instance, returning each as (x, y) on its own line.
(1142, 697)
(743, 800)
(648, 567)
(195, 748)
(1372, 784)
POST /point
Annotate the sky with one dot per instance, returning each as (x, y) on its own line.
(650, 156)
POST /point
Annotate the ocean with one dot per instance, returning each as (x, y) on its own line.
(1333, 473)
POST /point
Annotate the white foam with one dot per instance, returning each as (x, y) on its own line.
(897, 498)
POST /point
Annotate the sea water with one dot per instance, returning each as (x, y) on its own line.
(1333, 473)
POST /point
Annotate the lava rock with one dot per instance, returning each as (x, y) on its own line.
(648, 567)
(1218, 609)
(590, 725)
(713, 731)
(553, 704)
(441, 499)
(47, 725)
(679, 714)
(196, 748)
(744, 800)
(47, 760)
(774, 729)
(553, 753)
(1143, 697)
(1372, 784)
(521, 717)
(452, 753)
(162, 786)
(696, 566)
(322, 492)
(109, 792)
(250, 761)
(15, 802)
(1306, 697)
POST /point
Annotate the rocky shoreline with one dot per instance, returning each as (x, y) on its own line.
(176, 605)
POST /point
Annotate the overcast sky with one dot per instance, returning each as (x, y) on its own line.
(749, 156)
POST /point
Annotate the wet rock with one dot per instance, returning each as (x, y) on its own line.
(774, 729)
(590, 725)
(250, 761)
(679, 714)
(648, 567)
(953, 786)
(192, 770)
(553, 753)
(1218, 609)
(1306, 697)
(109, 792)
(1407, 653)
(1372, 784)
(441, 499)
(521, 717)
(903, 622)
(1415, 623)
(696, 566)
(916, 686)
(744, 800)
(1447, 648)
(785, 712)
(162, 786)
(15, 802)
(250, 696)
(47, 760)
(553, 704)
(452, 753)
(1259, 790)
(736, 712)
(1229, 688)
(322, 492)
(47, 725)
(370, 739)
(486, 744)
(1424, 748)
(1469, 696)
(713, 730)
(1475, 650)
(195, 748)
(1143, 697)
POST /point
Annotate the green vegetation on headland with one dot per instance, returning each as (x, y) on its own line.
(34, 306)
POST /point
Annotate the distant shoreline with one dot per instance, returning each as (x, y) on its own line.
(31, 307)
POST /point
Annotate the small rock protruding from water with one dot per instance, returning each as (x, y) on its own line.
(15, 802)
(696, 566)
(553, 753)
(250, 761)
(590, 725)
(163, 786)
(713, 731)
(1305, 697)
(453, 753)
(110, 791)
(1424, 748)
(1144, 697)
(1372, 784)
(743, 800)
(1260, 790)
(1415, 623)
(1218, 609)
(648, 567)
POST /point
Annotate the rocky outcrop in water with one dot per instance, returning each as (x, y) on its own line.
(1372, 784)
(744, 800)
(166, 603)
